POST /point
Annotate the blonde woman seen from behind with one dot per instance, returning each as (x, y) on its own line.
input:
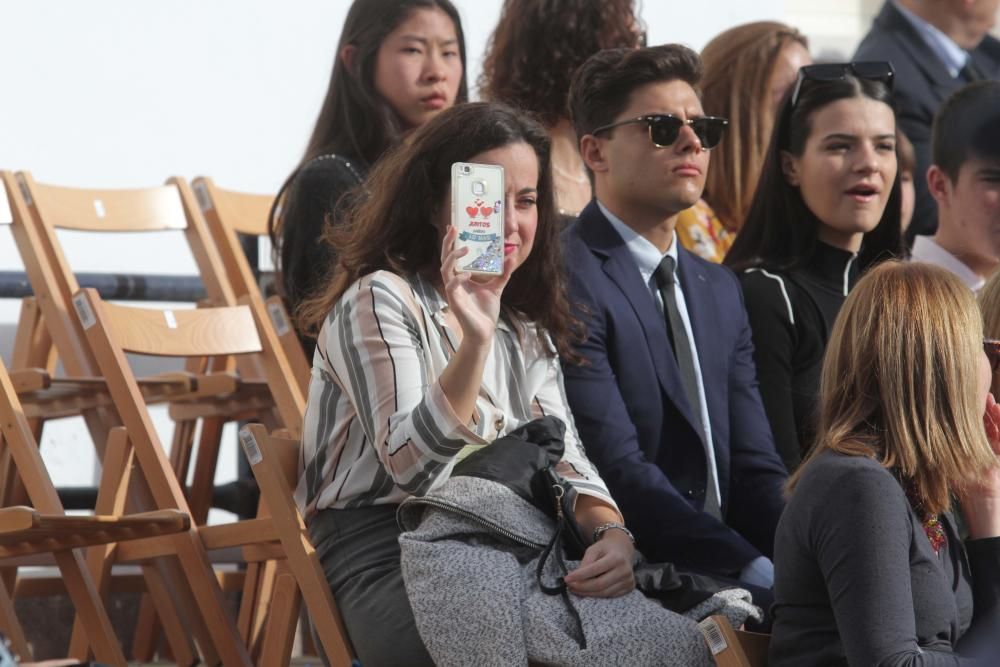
(869, 566)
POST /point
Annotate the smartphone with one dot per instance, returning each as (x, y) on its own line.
(477, 213)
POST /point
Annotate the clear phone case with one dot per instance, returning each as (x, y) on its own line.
(477, 213)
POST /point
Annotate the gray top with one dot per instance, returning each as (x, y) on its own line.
(858, 583)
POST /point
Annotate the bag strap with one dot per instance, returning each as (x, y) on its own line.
(554, 548)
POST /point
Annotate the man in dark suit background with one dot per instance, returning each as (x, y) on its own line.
(936, 46)
(666, 398)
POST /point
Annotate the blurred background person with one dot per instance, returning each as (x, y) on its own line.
(826, 209)
(748, 70)
(529, 63)
(964, 179)
(936, 46)
(907, 160)
(399, 63)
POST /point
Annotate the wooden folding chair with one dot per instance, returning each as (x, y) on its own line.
(277, 535)
(44, 528)
(37, 211)
(229, 213)
(275, 464)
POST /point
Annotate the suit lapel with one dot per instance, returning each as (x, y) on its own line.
(619, 265)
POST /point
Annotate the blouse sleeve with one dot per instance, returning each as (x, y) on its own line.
(575, 467)
(375, 344)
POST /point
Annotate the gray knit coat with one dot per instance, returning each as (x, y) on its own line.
(469, 554)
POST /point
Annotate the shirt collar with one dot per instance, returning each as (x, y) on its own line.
(646, 255)
(926, 249)
(953, 56)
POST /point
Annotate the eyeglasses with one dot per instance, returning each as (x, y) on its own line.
(870, 70)
(992, 349)
(664, 128)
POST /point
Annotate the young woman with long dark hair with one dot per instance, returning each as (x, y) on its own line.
(826, 209)
(399, 63)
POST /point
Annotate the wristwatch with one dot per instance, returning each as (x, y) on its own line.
(605, 527)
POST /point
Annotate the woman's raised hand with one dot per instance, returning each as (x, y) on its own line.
(980, 502)
(474, 299)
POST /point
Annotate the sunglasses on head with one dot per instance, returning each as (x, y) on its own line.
(870, 70)
(992, 349)
(664, 128)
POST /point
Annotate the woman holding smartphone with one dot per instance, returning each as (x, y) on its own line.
(415, 360)
(399, 63)
(826, 209)
(870, 567)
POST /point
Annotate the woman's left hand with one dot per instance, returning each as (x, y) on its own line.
(991, 420)
(606, 568)
(980, 502)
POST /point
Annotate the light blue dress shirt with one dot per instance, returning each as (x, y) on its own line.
(952, 56)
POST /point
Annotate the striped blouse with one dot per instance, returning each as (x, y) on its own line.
(378, 427)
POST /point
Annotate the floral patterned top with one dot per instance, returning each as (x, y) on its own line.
(700, 231)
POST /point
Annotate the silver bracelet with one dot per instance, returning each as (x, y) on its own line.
(605, 527)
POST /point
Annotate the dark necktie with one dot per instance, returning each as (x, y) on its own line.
(970, 73)
(685, 362)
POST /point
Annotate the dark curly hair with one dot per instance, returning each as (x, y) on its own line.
(394, 225)
(538, 44)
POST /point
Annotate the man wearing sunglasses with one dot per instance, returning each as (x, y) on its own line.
(965, 181)
(936, 47)
(665, 398)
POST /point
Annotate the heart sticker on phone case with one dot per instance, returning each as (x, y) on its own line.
(472, 211)
(487, 211)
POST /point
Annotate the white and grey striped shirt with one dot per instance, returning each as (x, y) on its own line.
(378, 426)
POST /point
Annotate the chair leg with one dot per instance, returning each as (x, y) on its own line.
(282, 614)
(176, 632)
(200, 495)
(10, 626)
(147, 631)
(90, 609)
(248, 600)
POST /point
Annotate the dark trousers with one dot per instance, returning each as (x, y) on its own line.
(359, 551)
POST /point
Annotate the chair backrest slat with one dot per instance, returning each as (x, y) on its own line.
(147, 209)
(177, 333)
(244, 212)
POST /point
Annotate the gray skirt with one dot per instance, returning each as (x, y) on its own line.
(359, 552)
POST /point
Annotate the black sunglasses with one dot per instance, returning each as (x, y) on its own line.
(870, 70)
(992, 349)
(664, 128)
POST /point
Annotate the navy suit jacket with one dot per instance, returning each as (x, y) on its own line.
(922, 84)
(635, 421)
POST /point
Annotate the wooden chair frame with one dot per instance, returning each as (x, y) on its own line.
(37, 211)
(45, 528)
(229, 213)
(275, 463)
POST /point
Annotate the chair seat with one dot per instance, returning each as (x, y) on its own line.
(24, 530)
